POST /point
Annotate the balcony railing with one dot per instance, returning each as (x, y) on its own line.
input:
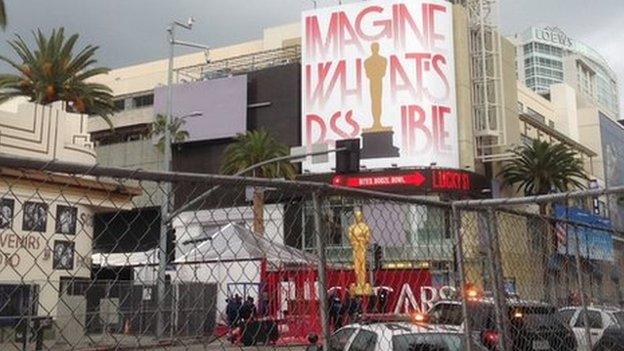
(241, 64)
(440, 251)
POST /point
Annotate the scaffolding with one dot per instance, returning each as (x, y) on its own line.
(487, 80)
(240, 64)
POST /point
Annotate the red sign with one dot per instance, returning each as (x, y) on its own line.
(364, 181)
(450, 180)
(432, 179)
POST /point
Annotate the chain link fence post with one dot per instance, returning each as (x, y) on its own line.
(581, 288)
(495, 265)
(162, 263)
(460, 273)
(322, 263)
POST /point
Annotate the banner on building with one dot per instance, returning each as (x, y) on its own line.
(382, 71)
(588, 232)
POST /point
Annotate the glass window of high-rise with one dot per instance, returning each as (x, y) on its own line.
(542, 52)
(543, 66)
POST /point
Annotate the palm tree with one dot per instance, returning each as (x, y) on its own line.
(252, 148)
(53, 72)
(541, 168)
(178, 135)
(3, 16)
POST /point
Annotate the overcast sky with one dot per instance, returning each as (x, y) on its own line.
(133, 31)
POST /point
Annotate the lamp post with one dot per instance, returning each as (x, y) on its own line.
(166, 202)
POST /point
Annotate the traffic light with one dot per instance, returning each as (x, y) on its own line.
(348, 161)
(377, 257)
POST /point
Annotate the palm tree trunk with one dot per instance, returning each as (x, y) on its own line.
(258, 211)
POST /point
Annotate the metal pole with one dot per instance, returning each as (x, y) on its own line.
(498, 287)
(164, 212)
(581, 286)
(322, 261)
(460, 274)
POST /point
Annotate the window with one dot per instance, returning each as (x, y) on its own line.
(143, 101)
(449, 314)
(17, 300)
(120, 104)
(364, 341)
(536, 114)
(565, 316)
(339, 340)
(551, 124)
(74, 286)
(594, 319)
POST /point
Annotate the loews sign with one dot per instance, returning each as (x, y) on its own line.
(553, 35)
(382, 71)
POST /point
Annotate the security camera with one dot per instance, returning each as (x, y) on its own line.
(190, 22)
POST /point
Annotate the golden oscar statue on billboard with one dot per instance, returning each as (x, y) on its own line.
(377, 140)
(360, 236)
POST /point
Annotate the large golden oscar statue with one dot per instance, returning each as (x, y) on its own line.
(377, 141)
(359, 236)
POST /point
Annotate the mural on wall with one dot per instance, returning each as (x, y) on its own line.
(613, 158)
(7, 207)
(66, 217)
(63, 255)
(35, 217)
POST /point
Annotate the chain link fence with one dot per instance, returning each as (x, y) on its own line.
(88, 262)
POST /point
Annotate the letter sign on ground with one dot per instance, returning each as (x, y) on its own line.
(382, 71)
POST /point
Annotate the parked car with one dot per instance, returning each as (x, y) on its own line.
(534, 325)
(599, 319)
(398, 336)
(612, 340)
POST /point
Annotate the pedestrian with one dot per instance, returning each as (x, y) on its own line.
(313, 343)
(231, 311)
(383, 300)
(335, 310)
(263, 305)
(247, 310)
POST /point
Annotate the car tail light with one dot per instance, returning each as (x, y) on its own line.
(420, 318)
(490, 339)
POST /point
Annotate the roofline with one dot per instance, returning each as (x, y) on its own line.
(72, 181)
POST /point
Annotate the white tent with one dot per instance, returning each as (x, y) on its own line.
(234, 242)
(232, 257)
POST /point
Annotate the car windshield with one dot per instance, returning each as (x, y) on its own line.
(446, 313)
(534, 316)
(427, 342)
(452, 314)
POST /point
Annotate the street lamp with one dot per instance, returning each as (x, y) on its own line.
(164, 212)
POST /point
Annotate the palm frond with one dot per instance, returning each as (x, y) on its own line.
(542, 167)
(252, 148)
(3, 15)
(51, 72)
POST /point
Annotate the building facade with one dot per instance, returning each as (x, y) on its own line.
(46, 221)
(547, 56)
(564, 105)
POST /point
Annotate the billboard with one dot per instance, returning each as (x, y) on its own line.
(585, 230)
(221, 104)
(612, 135)
(382, 71)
